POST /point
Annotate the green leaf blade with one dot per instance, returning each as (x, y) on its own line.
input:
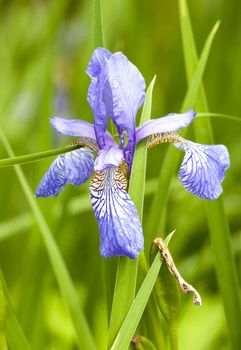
(33, 157)
(133, 317)
(156, 216)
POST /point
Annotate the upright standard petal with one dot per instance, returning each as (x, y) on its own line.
(98, 60)
(118, 220)
(123, 94)
(169, 123)
(74, 167)
(96, 72)
(203, 169)
(116, 91)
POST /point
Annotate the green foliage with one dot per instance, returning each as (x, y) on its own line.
(56, 291)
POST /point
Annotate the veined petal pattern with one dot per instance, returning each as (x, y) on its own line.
(118, 220)
(203, 169)
(74, 167)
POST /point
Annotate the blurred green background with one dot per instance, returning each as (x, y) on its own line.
(45, 47)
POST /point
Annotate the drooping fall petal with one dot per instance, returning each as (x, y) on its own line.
(74, 168)
(118, 220)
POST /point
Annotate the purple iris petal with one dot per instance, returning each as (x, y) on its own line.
(119, 223)
(76, 127)
(111, 156)
(203, 169)
(97, 74)
(116, 90)
(98, 60)
(171, 122)
(74, 167)
(73, 127)
(123, 95)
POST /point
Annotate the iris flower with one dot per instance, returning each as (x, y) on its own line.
(117, 91)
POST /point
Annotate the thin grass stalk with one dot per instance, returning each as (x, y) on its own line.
(33, 157)
(98, 25)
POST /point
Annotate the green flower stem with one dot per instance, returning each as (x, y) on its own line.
(217, 220)
(125, 286)
(33, 157)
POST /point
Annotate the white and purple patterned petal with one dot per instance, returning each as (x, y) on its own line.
(203, 169)
(111, 156)
(171, 122)
(118, 220)
(74, 167)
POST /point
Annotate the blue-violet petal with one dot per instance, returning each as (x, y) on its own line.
(118, 220)
(203, 169)
(171, 122)
(123, 95)
(98, 60)
(74, 167)
(97, 74)
(110, 156)
(73, 127)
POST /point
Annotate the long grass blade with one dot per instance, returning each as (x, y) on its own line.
(156, 212)
(33, 157)
(133, 317)
(219, 115)
(83, 334)
(99, 37)
(127, 269)
(218, 224)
